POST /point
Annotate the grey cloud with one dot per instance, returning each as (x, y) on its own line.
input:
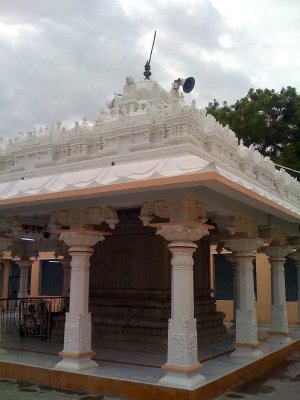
(84, 49)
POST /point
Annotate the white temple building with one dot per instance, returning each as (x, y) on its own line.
(133, 203)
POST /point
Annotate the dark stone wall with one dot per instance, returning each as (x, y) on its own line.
(134, 258)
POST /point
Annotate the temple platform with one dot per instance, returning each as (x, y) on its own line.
(135, 374)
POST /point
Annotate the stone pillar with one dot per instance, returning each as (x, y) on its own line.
(77, 351)
(296, 257)
(233, 262)
(246, 324)
(279, 317)
(66, 264)
(24, 266)
(182, 365)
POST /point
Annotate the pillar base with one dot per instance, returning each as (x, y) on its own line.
(182, 377)
(76, 362)
(279, 337)
(246, 351)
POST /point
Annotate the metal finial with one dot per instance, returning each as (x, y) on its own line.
(147, 72)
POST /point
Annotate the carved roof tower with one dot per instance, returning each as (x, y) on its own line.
(146, 132)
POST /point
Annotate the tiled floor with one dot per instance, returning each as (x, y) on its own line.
(132, 366)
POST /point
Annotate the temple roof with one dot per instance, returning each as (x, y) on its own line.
(145, 133)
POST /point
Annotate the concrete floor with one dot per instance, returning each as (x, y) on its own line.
(13, 390)
(282, 382)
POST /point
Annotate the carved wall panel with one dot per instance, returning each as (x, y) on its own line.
(134, 258)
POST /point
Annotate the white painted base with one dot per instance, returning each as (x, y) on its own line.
(242, 354)
(182, 380)
(75, 364)
(280, 339)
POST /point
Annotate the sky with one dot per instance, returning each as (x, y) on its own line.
(62, 60)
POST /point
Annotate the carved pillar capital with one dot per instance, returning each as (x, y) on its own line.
(82, 218)
(242, 247)
(243, 226)
(278, 253)
(5, 245)
(82, 239)
(24, 264)
(11, 226)
(182, 233)
(176, 210)
(24, 250)
(273, 235)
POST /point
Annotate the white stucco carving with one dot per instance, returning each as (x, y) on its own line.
(272, 235)
(78, 218)
(186, 209)
(75, 240)
(78, 334)
(246, 331)
(144, 122)
(24, 250)
(181, 233)
(241, 225)
(10, 227)
(5, 245)
(182, 342)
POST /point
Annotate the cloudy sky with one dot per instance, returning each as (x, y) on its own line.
(63, 59)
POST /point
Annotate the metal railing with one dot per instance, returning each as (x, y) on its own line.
(31, 316)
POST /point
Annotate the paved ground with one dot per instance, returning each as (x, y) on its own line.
(13, 390)
(281, 383)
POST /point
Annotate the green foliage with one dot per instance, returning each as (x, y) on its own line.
(268, 119)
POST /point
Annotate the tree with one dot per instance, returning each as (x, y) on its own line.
(268, 119)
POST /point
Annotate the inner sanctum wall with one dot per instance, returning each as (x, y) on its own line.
(130, 280)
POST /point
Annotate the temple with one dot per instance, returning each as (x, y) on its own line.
(131, 206)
